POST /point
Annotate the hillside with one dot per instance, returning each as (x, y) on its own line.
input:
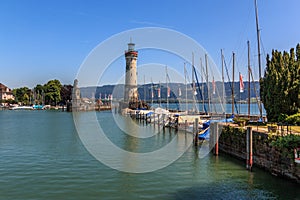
(145, 91)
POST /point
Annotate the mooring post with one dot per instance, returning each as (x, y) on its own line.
(146, 118)
(196, 131)
(158, 124)
(193, 132)
(216, 137)
(185, 123)
(163, 116)
(249, 148)
(176, 123)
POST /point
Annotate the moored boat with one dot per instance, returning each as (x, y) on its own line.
(22, 108)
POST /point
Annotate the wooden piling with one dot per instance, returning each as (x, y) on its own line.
(196, 131)
(216, 137)
(146, 118)
(158, 124)
(249, 161)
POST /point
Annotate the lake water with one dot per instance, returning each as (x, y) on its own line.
(42, 157)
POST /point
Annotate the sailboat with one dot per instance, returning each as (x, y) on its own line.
(186, 121)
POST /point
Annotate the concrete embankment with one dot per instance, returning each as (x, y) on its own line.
(278, 160)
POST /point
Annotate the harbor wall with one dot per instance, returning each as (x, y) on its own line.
(278, 161)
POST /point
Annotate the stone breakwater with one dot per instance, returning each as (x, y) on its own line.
(278, 160)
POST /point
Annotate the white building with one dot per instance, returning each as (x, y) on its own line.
(6, 93)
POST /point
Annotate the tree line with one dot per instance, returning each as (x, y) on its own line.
(52, 93)
(280, 86)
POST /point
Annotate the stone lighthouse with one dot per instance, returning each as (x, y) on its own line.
(131, 92)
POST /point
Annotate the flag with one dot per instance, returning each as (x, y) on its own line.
(195, 92)
(241, 83)
(169, 91)
(214, 86)
(179, 92)
(158, 92)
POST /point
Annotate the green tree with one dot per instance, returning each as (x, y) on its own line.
(52, 92)
(66, 93)
(23, 95)
(39, 94)
(280, 86)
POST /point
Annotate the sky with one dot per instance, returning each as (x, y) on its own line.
(50, 39)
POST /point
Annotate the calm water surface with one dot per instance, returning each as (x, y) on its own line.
(42, 157)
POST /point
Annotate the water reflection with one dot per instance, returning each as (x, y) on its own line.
(36, 163)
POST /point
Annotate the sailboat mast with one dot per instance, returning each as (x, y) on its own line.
(208, 90)
(193, 76)
(258, 38)
(239, 92)
(193, 81)
(223, 86)
(167, 87)
(202, 86)
(144, 89)
(186, 103)
(159, 94)
(249, 71)
(232, 88)
(258, 47)
(152, 92)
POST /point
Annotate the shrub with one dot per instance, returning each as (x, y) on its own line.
(282, 117)
(293, 119)
(240, 121)
(289, 141)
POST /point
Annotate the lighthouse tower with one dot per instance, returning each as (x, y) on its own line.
(131, 92)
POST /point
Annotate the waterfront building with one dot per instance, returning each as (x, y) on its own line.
(6, 93)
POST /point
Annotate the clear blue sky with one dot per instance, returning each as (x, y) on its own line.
(43, 40)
